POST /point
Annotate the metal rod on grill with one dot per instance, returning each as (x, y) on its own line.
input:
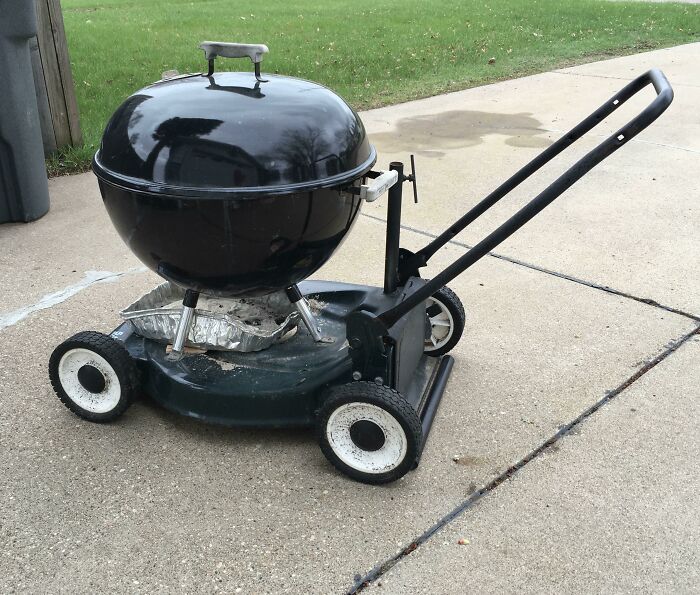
(189, 303)
(307, 316)
(393, 231)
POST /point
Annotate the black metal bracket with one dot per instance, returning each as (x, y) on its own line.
(378, 351)
(412, 178)
(409, 265)
(258, 76)
(566, 180)
(355, 189)
(369, 345)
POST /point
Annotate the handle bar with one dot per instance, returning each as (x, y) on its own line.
(254, 51)
(379, 185)
(566, 180)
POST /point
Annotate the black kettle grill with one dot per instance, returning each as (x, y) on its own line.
(231, 184)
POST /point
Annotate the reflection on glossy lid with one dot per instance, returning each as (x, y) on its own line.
(203, 135)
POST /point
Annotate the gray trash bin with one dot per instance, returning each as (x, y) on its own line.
(24, 192)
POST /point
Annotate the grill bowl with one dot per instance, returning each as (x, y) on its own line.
(229, 186)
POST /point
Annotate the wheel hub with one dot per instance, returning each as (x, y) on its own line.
(367, 435)
(91, 379)
(441, 324)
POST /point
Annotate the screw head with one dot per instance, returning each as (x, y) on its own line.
(356, 375)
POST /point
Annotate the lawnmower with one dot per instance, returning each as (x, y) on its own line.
(235, 187)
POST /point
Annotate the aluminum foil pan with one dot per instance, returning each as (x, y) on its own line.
(225, 324)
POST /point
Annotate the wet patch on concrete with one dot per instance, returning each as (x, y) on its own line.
(431, 154)
(457, 129)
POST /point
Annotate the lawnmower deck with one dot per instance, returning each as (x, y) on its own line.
(280, 386)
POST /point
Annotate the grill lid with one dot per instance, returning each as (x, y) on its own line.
(230, 133)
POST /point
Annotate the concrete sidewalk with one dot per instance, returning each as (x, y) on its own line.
(612, 507)
(571, 411)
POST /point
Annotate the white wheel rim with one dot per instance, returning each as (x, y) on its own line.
(386, 458)
(101, 402)
(441, 326)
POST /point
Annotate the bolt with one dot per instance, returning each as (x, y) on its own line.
(356, 375)
(379, 380)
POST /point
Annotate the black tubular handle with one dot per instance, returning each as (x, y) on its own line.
(566, 180)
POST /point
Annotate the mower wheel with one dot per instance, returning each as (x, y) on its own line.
(94, 376)
(446, 317)
(369, 432)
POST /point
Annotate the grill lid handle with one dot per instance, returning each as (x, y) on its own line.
(254, 51)
(379, 185)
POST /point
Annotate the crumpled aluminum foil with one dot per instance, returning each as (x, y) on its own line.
(156, 316)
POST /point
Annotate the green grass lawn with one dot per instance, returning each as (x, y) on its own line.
(372, 52)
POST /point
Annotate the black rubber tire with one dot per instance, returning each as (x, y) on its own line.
(386, 398)
(451, 302)
(117, 357)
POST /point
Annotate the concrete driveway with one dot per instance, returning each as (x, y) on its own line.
(564, 456)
